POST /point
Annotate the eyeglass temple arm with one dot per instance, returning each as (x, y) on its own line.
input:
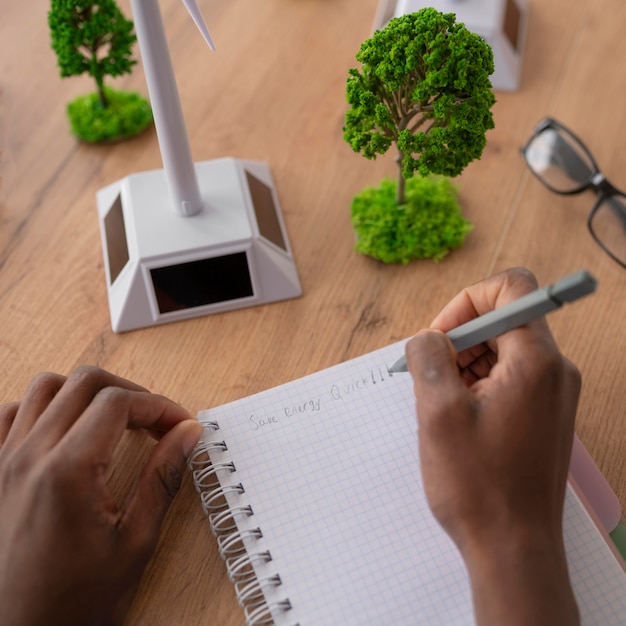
(619, 208)
(611, 195)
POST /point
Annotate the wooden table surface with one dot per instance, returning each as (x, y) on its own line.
(275, 91)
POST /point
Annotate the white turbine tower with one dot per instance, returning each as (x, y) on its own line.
(168, 114)
(193, 238)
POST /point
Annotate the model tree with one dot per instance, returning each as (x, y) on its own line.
(94, 37)
(424, 87)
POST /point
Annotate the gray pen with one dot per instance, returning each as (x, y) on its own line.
(515, 314)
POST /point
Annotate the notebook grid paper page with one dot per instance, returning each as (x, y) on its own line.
(330, 469)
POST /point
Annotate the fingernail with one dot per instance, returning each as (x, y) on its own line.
(191, 436)
(428, 331)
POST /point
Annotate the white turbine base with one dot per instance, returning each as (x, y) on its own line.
(163, 267)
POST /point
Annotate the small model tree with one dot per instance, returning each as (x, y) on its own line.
(424, 87)
(94, 37)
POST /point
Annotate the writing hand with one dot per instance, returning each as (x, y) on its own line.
(495, 433)
(68, 554)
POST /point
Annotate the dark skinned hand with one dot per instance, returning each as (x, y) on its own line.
(68, 554)
(496, 425)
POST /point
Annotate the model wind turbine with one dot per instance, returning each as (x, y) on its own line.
(193, 238)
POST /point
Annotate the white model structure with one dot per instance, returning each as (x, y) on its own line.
(501, 23)
(193, 238)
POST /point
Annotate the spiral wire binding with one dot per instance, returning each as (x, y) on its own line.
(241, 568)
(224, 521)
(236, 546)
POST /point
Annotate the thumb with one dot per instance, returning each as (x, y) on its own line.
(160, 479)
(431, 359)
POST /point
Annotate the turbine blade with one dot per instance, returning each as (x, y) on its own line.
(196, 15)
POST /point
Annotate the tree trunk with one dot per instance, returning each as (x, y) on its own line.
(98, 76)
(103, 99)
(401, 181)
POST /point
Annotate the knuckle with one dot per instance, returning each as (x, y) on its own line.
(113, 398)
(8, 411)
(573, 374)
(547, 365)
(45, 480)
(520, 276)
(86, 375)
(552, 370)
(171, 478)
(97, 382)
(45, 385)
(15, 466)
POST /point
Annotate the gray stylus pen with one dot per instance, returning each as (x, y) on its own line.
(516, 313)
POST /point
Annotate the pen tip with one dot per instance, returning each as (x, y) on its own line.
(399, 366)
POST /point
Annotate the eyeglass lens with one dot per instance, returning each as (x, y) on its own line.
(608, 226)
(559, 160)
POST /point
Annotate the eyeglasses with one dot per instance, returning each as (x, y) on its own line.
(564, 165)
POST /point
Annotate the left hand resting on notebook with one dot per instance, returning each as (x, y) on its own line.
(68, 554)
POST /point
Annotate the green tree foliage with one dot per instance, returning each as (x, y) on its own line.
(91, 36)
(424, 85)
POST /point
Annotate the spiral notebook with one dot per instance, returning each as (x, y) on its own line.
(313, 491)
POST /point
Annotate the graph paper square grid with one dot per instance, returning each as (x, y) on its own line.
(330, 467)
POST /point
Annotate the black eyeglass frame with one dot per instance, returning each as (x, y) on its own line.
(604, 189)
